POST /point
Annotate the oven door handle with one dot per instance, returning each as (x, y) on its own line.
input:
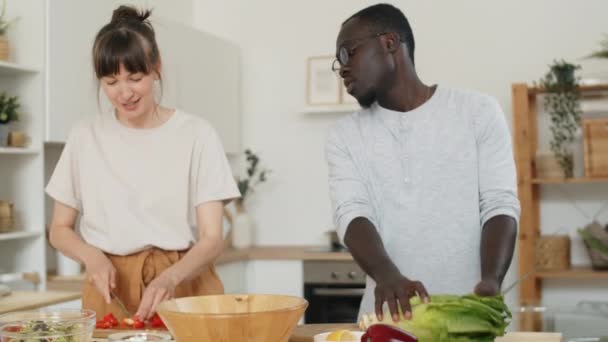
(338, 292)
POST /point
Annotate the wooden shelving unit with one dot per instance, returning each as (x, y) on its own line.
(569, 180)
(573, 273)
(525, 148)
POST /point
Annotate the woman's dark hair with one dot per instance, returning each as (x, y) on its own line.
(128, 40)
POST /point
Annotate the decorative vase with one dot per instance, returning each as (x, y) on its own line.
(4, 130)
(4, 49)
(242, 227)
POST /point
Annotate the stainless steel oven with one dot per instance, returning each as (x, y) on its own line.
(334, 290)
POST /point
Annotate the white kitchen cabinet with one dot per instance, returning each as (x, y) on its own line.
(201, 72)
(233, 276)
(283, 277)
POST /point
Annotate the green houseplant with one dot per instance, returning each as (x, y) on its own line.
(254, 175)
(4, 25)
(242, 224)
(562, 101)
(8, 113)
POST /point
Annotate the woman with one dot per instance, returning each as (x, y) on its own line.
(149, 182)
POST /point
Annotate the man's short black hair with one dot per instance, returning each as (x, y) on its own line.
(387, 18)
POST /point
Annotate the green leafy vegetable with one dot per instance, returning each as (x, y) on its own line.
(451, 318)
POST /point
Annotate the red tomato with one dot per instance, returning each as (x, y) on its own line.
(14, 328)
(157, 322)
(137, 324)
(109, 318)
(103, 325)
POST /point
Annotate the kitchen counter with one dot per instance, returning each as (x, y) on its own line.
(28, 300)
(230, 255)
(302, 333)
(281, 253)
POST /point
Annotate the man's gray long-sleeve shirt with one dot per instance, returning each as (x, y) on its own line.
(428, 180)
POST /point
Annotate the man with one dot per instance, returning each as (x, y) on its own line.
(422, 178)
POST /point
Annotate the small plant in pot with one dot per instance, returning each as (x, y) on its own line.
(562, 101)
(4, 25)
(242, 225)
(8, 113)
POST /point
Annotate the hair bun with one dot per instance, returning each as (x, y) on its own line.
(130, 13)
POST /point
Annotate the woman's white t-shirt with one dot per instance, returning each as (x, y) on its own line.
(138, 188)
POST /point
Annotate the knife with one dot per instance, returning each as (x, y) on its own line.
(523, 277)
(120, 304)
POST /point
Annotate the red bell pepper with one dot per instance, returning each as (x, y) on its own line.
(386, 333)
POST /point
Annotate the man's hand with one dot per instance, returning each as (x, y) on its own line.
(397, 290)
(487, 288)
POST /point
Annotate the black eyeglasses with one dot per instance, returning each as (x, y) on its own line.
(345, 53)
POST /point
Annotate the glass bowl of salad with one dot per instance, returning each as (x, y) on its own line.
(48, 326)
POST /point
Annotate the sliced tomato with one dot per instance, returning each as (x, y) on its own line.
(103, 325)
(137, 324)
(13, 328)
(157, 322)
(111, 319)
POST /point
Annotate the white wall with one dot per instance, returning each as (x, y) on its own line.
(484, 45)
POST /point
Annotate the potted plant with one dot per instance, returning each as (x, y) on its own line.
(4, 25)
(562, 101)
(8, 113)
(255, 174)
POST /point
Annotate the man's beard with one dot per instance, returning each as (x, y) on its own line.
(366, 100)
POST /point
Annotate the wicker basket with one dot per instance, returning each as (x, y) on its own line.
(7, 225)
(4, 49)
(553, 252)
(547, 167)
(596, 147)
(6, 217)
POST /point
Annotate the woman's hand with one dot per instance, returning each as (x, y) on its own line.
(209, 218)
(160, 289)
(101, 273)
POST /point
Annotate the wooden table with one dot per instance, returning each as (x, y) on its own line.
(29, 300)
(302, 333)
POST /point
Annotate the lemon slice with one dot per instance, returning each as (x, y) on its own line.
(341, 335)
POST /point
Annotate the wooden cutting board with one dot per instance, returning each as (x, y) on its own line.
(307, 332)
(104, 333)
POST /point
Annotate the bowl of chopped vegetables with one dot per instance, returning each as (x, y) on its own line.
(48, 326)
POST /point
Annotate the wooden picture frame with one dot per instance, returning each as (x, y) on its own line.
(322, 84)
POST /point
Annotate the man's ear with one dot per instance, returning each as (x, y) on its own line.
(392, 42)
